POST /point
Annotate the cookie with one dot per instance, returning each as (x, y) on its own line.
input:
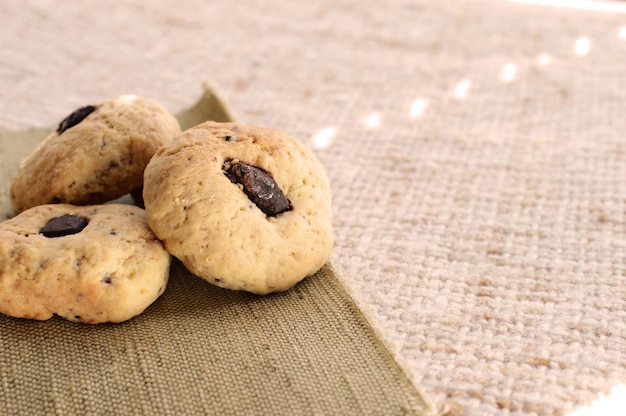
(245, 208)
(96, 154)
(89, 264)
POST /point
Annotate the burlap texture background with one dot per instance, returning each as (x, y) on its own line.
(476, 150)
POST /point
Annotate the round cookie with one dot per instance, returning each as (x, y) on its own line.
(91, 264)
(97, 154)
(213, 196)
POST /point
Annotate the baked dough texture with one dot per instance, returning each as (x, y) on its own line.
(208, 222)
(99, 159)
(110, 271)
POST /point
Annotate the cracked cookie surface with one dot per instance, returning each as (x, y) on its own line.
(213, 195)
(89, 264)
(97, 154)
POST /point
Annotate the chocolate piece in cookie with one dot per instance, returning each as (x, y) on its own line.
(66, 224)
(97, 154)
(245, 208)
(259, 186)
(76, 117)
(89, 264)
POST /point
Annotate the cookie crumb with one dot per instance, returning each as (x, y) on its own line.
(452, 408)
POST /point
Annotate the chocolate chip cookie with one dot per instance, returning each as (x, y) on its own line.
(87, 264)
(245, 208)
(96, 154)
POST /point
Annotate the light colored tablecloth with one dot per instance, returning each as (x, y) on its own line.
(476, 149)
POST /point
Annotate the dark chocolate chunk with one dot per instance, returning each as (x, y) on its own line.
(75, 118)
(64, 225)
(260, 188)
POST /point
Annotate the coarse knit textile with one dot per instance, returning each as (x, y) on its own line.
(476, 150)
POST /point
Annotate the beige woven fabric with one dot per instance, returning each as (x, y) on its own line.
(475, 147)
